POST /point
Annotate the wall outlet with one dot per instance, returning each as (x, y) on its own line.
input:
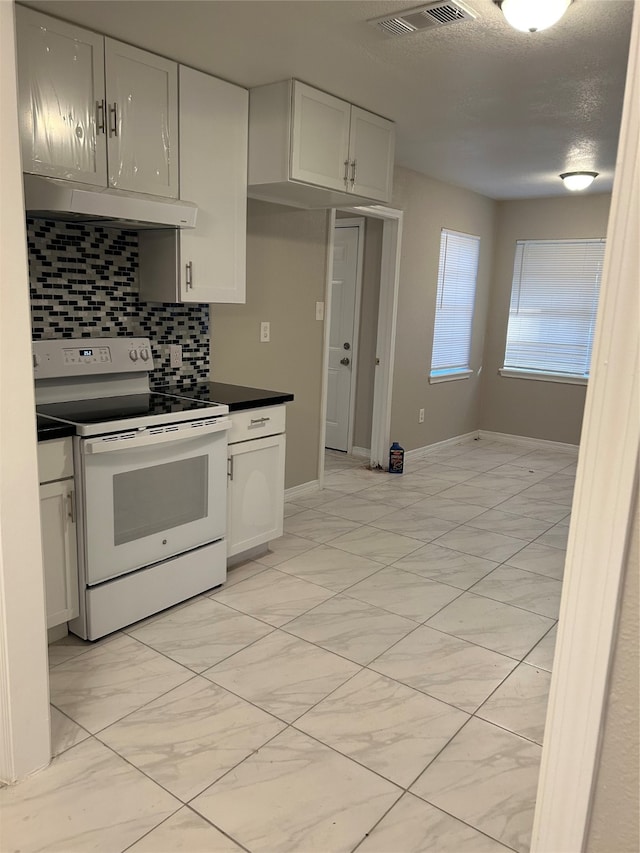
(175, 355)
(420, 416)
(319, 310)
(265, 332)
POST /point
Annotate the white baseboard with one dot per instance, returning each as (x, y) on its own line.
(302, 489)
(540, 443)
(419, 452)
(365, 452)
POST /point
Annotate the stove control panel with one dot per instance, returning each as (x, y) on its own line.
(87, 355)
(90, 356)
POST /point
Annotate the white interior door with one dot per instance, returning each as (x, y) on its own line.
(342, 336)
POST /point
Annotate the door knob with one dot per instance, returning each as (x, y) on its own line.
(346, 345)
(344, 361)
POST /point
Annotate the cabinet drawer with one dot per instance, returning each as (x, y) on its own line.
(55, 460)
(256, 423)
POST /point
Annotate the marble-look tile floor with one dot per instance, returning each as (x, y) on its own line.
(377, 681)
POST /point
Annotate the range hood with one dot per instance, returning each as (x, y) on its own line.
(70, 201)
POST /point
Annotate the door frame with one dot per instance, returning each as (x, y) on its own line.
(359, 223)
(386, 339)
(602, 518)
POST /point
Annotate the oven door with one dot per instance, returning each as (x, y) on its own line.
(151, 494)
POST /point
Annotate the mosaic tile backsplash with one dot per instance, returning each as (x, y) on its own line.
(84, 283)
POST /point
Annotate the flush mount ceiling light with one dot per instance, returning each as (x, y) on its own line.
(578, 180)
(529, 16)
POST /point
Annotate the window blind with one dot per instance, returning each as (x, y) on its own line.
(457, 274)
(554, 300)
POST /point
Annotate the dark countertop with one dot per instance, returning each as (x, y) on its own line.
(48, 429)
(237, 397)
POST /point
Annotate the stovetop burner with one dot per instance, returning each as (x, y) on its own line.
(106, 410)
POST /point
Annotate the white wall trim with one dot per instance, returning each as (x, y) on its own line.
(324, 384)
(522, 440)
(449, 377)
(24, 685)
(562, 379)
(602, 516)
(359, 223)
(303, 489)
(541, 443)
(419, 452)
(386, 338)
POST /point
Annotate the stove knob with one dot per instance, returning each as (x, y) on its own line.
(133, 355)
(144, 354)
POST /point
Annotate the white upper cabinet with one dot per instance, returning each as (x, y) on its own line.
(95, 110)
(371, 146)
(142, 120)
(311, 149)
(320, 138)
(61, 85)
(206, 263)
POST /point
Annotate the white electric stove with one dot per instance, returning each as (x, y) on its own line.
(151, 477)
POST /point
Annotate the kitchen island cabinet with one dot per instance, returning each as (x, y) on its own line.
(311, 149)
(58, 529)
(95, 110)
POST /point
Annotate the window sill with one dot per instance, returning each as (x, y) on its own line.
(449, 377)
(542, 377)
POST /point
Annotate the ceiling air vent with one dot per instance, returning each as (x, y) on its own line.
(424, 18)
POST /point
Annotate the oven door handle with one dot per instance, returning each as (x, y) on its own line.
(145, 438)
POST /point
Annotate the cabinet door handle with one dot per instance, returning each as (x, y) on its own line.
(230, 467)
(189, 275)
(113, 113)
(259, 421)
(353, 173)
(100, 126)
(71, 508)
(346, 173)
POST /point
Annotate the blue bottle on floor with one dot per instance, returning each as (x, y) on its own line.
(396, 459)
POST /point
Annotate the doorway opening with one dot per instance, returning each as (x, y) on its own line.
(344, 380)
(361, 310)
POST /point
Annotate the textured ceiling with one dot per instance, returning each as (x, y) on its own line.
(476, 103)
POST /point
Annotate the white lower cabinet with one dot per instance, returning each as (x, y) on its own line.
(58, 528)
(255, 499)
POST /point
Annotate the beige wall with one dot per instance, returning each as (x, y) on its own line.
(286, 274)
(614, 819)
(286, 269)
(451, 408)
(546, 410)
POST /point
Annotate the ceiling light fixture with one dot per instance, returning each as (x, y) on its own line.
(578, 180)
(529, 16)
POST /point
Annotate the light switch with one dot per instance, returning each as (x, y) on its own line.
(319, 310)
